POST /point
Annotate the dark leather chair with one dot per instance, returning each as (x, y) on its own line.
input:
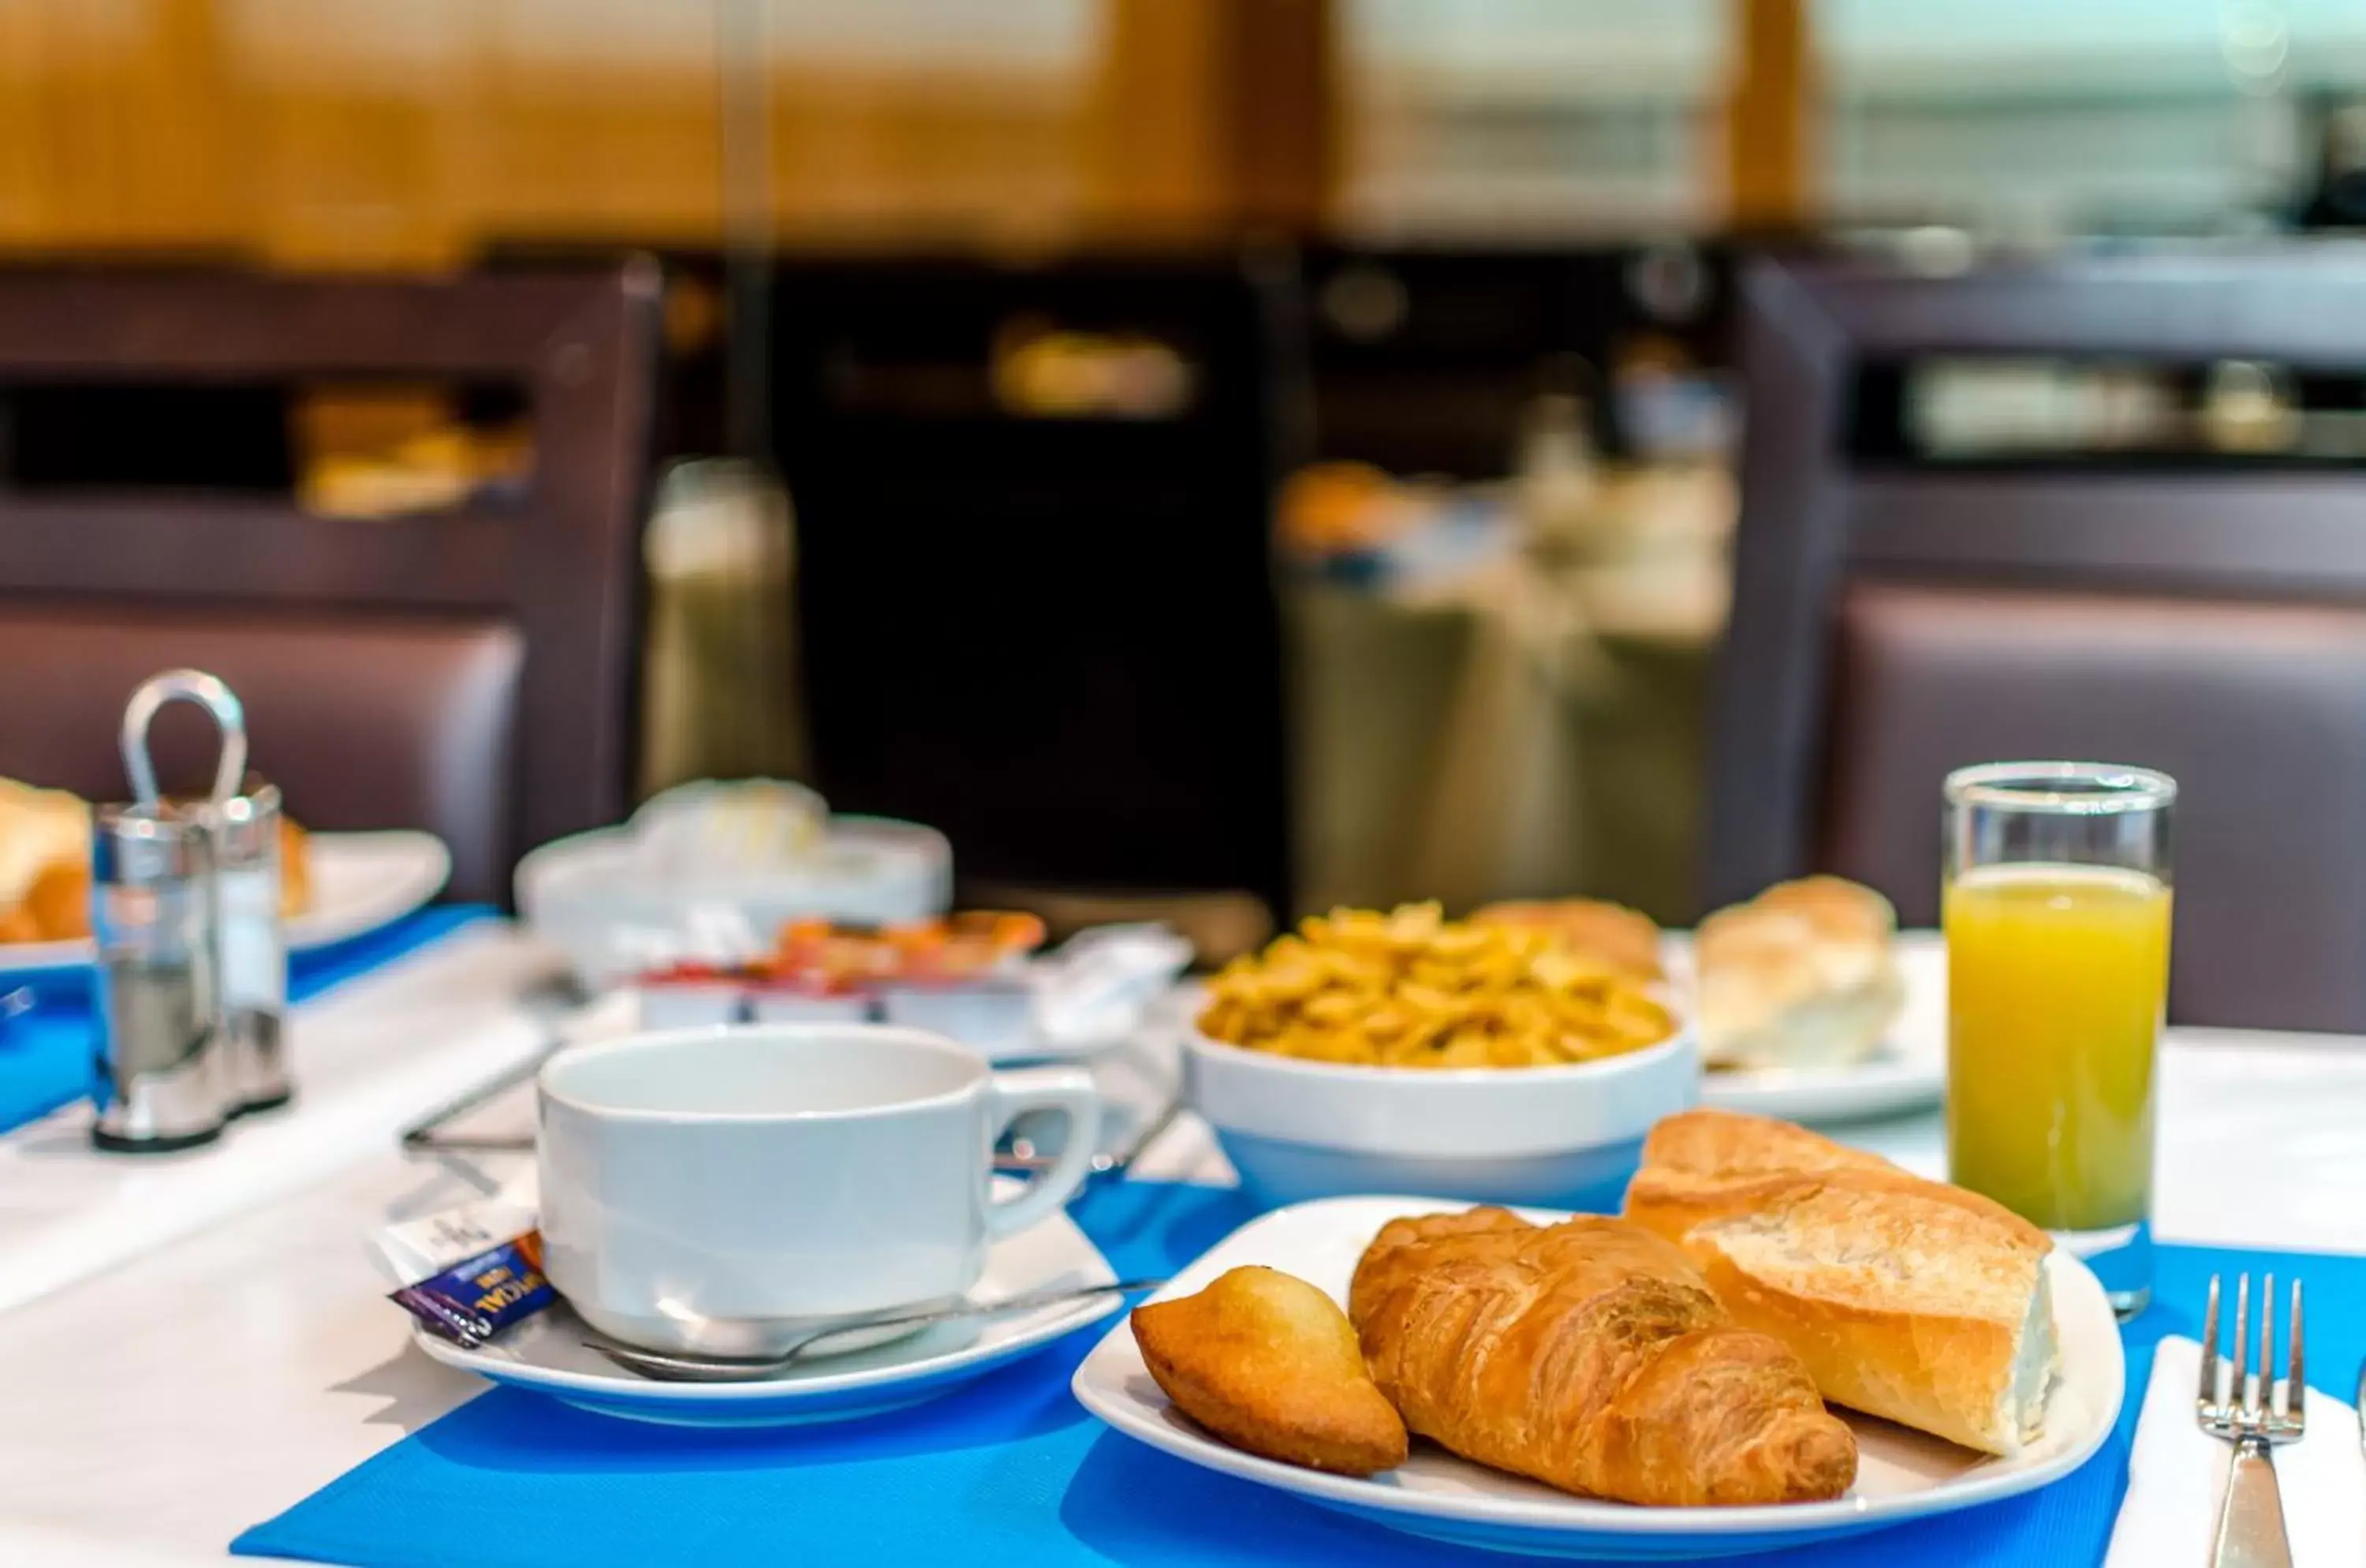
(469, 671)
(1893, 620)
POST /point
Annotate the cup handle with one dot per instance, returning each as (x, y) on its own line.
(1068, 1091)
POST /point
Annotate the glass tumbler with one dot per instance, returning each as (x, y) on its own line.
(2056, 907)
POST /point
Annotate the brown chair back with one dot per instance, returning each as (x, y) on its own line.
(1893, 621)
(469, 671)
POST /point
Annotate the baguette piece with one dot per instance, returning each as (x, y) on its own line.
(1704, 1164)
(1590, 1356)
(1712, 1148)
(1906, 1299)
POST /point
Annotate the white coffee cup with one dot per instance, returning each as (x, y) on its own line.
(715, 1190)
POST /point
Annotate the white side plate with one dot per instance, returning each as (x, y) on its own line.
(1901, 1474)
(546, 1353)
(363, 881)
(360, 882)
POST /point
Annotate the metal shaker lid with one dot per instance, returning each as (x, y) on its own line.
(245, 827)
(144, 846)
(152, 841)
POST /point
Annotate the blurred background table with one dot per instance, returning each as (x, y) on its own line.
(1521, 717)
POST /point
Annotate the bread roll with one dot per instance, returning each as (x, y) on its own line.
(1590, 1356)
(1800, 977)
(37, 829)
(45, 866)
(58, 903)
(1627, 938)
(1906, 1299)
(294, 868)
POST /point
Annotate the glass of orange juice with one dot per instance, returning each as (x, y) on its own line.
(2056, 908)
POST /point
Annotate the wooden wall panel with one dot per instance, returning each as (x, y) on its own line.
(346, 132)
(112, 132)
(363, 133)
(1767, 162)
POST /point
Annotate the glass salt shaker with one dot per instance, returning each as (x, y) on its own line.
(252, 945)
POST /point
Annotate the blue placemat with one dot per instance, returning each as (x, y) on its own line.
(1012, 1471)
(45, 1054)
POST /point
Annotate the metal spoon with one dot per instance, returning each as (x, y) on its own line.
(668, 1367)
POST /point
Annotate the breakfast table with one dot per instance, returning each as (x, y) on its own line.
(175, 1382)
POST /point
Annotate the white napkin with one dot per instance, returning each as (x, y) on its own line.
(1100, 982)
(2176, 1478)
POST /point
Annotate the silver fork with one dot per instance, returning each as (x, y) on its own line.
(2251, 1520)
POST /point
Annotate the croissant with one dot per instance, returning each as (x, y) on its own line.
(1590, 1356)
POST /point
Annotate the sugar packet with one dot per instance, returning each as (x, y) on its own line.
(467, 1273)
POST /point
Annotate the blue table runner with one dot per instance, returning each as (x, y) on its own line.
(1010, 1472)
(45, 1055)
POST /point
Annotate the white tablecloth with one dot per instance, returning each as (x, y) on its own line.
(368, 1057)
(167, 1404)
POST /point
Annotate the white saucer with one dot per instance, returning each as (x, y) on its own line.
(546, 1353)
(1908, 1073)
(1901, 1475)
(360, 883)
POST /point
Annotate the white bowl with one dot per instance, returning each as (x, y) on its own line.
(594, 894)
(1565, 1137)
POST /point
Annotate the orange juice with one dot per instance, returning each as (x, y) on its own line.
(2056, 975)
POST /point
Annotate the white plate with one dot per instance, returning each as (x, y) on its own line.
(545, 1353)
(1901, 1475)
(592, 896)
(363, 881)
(680, 1006)
(1908, 1073)
(360, 882)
